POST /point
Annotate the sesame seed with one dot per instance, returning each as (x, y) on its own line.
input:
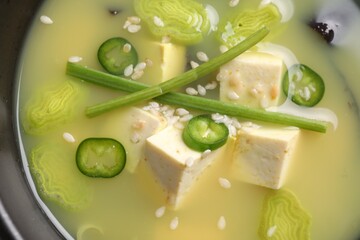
(126, 24)
(160, 211)
(139, 124)
(140, 66)
(221, 224)
(174, 223)
(158, 22)
(224, 183)
(133, 28)
(232, 95)
(68, 137)
(186, 118)
(127, 47)
(137, 74)
(74, 59)
(232, 130)
(191, 91)
(223, 48)
(205, 153)
(264, 102)
(134, 19)
(193, 64)
(181, 111)
(129, 70)
(46, 20)
(154, 104)
(271, 231)
(233, 3)
(201, 90)
(211, 86)
(202, 56)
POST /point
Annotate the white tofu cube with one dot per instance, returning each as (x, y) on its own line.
(252, 79)
(175, 165)
(262, 155)
(168, 60)
(132, 126)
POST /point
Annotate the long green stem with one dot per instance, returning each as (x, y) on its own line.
(194, 102)
(181, 80)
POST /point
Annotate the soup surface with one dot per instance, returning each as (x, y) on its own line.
(323, 175)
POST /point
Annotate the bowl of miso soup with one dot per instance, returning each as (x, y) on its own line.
(182, 119)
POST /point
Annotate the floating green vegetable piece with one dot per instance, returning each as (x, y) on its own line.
(185, 21)
(100, 157)
(303, 85)
(115, 54)
(57, 178)
(234, 30)
(50, 109)
(203, 133)
(283, 217)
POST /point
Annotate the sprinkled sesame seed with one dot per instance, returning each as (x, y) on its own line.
(224, 183)
(160, 211)
(223, 48)
(201, 90)
(202, 56)
(221, 224)
(211, 86)
(174, 223)
(205, 153)
(134, 19)
(271, 231)
(193, 64)
(126, 24)
(68, 137)
(181, 111)
(140, 66)
(233, 3)
(74, 59)
(232, 130)
(137, 74)
(191, 91)
(232, 95)
(133, 28)
(158, 22)
(127, 47)
(186, 118)
(128, 70)
(46, 20)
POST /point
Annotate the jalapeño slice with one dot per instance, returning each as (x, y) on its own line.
(303, 85)
(100, 157)
(114, 57)
(203, 133)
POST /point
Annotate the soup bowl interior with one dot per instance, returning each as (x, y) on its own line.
(20, 215)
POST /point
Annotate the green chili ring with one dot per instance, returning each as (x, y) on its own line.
(303, 85)
(100, 157)
(114, 57)
(203, 133)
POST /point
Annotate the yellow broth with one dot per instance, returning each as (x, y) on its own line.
(324, 173)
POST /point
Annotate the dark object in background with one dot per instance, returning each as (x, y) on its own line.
(334, 20)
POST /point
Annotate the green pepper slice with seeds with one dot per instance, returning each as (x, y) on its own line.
(303, 85)
(114, 57)
(100, 157)
(203, 133)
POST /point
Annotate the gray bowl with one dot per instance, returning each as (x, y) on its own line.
(20, 216)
